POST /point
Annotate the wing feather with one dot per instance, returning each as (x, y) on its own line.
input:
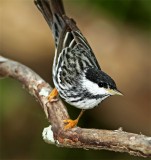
(73, 55)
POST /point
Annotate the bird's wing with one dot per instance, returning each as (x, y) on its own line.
(67, 36)
(71, 39)
(73, 49)
(73, 59)
(73, 53)
(71, 62)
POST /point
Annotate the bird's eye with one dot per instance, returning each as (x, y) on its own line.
(102, 84)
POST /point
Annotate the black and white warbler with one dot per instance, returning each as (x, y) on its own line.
(77, 75)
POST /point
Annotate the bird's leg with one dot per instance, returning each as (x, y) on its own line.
(52, 96)
(72, 123)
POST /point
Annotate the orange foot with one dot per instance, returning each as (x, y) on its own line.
(52, 96)
(70, 123)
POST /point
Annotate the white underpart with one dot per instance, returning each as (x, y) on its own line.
(87, 103)
(93, 88)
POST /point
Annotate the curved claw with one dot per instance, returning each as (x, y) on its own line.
(52, 96)
(70, 123)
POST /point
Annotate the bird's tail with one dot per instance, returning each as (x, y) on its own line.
(53, 11)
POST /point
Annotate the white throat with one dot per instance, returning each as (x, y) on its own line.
(93, 88)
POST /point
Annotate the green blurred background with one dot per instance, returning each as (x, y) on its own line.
(119, 33)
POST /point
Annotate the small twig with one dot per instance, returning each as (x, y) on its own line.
(117, 140)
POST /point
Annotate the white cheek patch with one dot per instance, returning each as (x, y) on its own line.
(93, 87)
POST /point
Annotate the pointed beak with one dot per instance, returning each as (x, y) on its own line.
(115, 92)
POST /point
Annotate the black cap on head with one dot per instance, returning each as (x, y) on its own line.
(101, 78)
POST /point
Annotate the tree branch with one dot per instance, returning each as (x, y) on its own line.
(56, 112)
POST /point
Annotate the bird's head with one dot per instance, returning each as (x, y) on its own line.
(99, 83)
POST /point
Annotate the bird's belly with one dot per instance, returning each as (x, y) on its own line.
(73, 97)
(86, 103)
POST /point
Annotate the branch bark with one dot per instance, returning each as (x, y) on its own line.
(56, 112)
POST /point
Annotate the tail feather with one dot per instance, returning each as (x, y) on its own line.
(49, 8)
(53, 11)
(57, 6)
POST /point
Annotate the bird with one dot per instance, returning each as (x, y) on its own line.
(77, 75)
